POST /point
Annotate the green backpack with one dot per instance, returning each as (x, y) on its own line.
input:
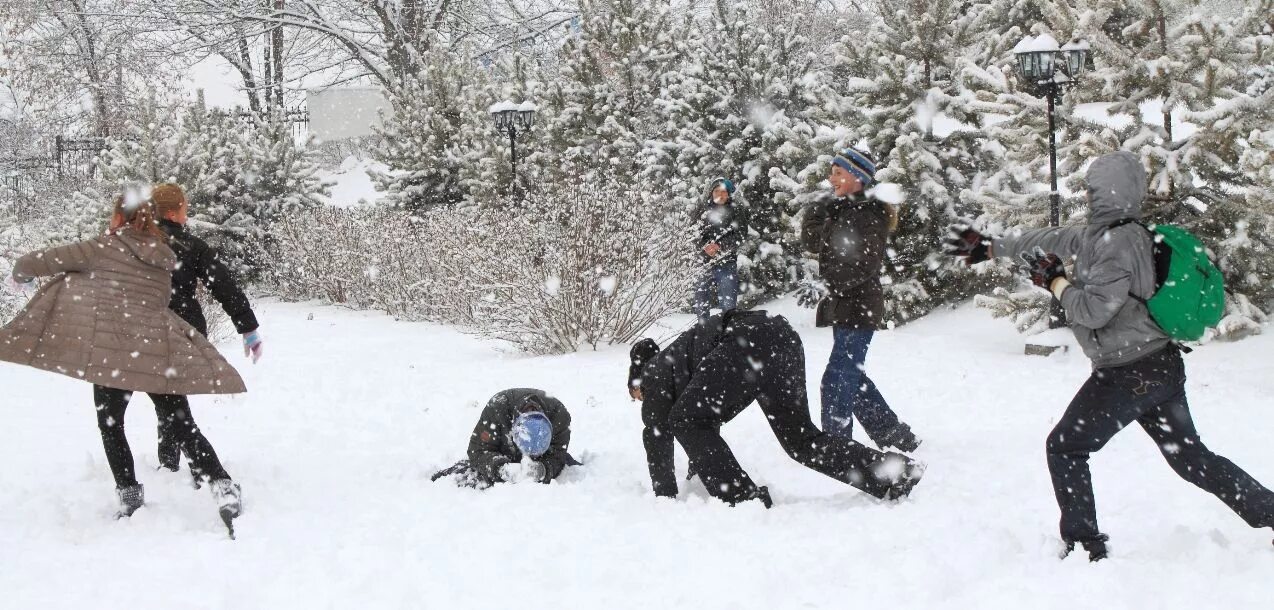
(1189, 293)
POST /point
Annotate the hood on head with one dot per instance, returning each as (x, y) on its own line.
(1116, 187)
(148, 249)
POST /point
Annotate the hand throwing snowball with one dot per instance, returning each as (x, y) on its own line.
(709, 375)
(1138, 374)
(522, 434)
(848, 230)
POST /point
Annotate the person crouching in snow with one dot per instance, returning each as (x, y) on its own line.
(516, 423)
(1138, 375)
(104, 319)
(711, 373)
(197, 262)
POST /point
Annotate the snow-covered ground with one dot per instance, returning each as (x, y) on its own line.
(351, 184)
(349, 413)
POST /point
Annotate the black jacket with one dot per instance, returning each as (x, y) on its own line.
(663, 379)
(491, 444)
(726, 225)
(197, 261)
(849, 235)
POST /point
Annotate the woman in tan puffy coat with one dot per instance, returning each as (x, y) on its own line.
(104, 318)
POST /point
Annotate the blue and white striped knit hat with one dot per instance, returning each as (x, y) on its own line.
(857, 163)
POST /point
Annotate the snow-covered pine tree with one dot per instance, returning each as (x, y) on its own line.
(1012, 190)
(925, 130)
(597, 114)
(1196, 69)
(423, 141)
(747, 107)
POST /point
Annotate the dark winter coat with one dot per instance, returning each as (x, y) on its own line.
(663, 379)
(849, 235)
(199, 262)
(726, 225)
(1111, 264)
(491, 445)
(103, 318)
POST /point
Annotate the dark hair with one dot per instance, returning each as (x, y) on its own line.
(641, 353)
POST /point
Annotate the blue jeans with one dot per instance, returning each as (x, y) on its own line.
(848, 391)
(725, 278)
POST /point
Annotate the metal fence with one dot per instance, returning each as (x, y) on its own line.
(78, 158)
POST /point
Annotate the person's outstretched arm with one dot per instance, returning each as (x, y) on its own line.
(52, 261)
(1062, 241)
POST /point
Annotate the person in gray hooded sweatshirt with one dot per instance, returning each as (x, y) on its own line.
(1138, 374)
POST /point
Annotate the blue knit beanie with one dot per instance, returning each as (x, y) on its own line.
(727, 183)
(857, 163)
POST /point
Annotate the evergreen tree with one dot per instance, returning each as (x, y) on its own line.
(425, 139)
(599, 110)
(913, 87)
(748, 107)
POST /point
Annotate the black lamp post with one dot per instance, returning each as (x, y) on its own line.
(511, 118)
(1047, 69)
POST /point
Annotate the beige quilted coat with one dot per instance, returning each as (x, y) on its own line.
(104, 319)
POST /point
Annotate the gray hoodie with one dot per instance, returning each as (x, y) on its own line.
(1112, 328)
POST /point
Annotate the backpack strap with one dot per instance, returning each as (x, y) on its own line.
(1127, 221)
(1124, 221)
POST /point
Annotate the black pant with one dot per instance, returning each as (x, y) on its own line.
(174, 412)
(1151, 392)
(759, 358)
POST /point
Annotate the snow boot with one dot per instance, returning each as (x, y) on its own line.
(759, 493)
(229, 501)
(131, 498)
(905, 483)
(1096, 548)
(900, 438)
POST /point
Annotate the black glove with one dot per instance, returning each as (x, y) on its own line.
(1044, 268)
(964, 242)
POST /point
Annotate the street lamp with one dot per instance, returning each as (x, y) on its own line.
(1047, 68)
(511, 118)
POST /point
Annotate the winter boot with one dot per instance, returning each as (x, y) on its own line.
(1096, 548)
(131, 498)
(900, 438)
(758, 493)
(229, 501)
(910, 478)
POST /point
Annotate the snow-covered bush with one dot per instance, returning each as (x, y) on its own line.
(577, 265)
(567, 267)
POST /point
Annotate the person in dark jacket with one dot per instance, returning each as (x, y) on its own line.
(848, 230)
(722, 227)
(197, 262)
(710, 374)
(516, 423)
(1138, 374)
